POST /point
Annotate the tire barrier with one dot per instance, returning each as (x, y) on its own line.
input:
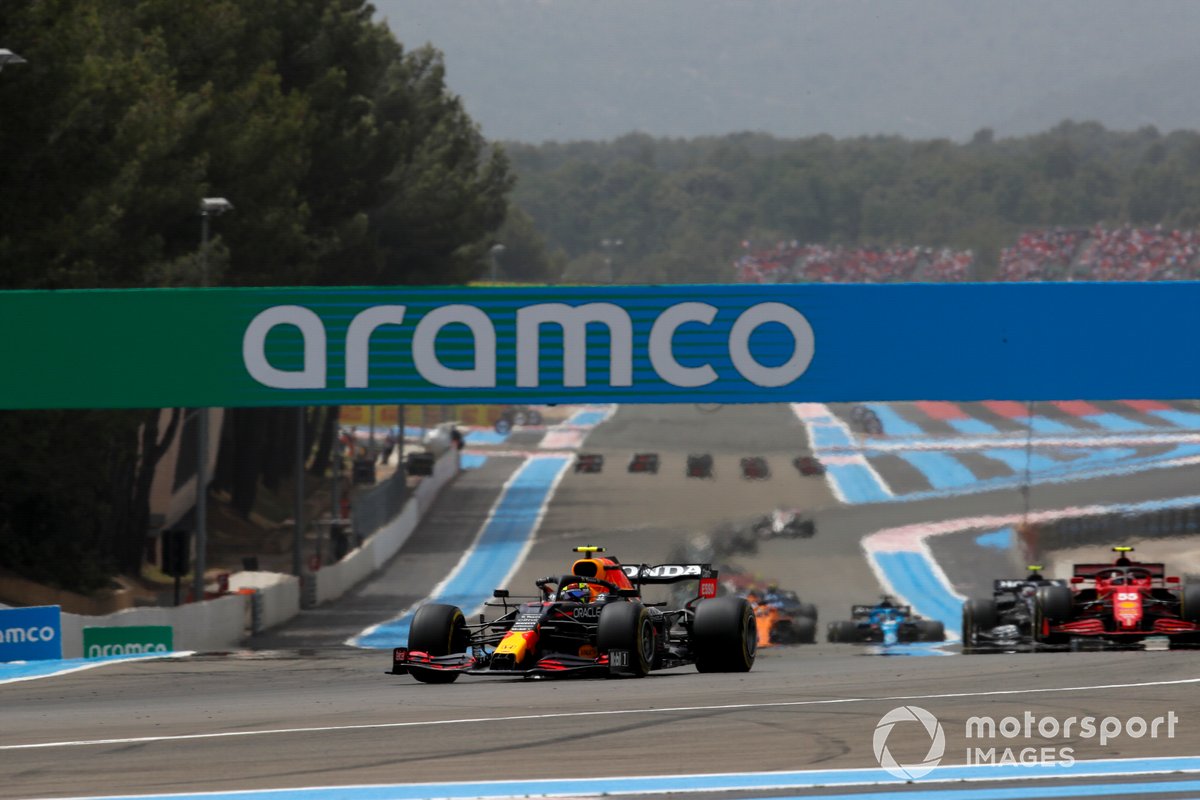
(1113, 529)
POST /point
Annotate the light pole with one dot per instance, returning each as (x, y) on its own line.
(209, 207)
(9, 57)
(496, 251)
(609, 245)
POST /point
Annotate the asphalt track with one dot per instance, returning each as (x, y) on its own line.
(303, 710)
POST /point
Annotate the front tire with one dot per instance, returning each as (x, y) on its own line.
(979, 613)
(1052, 605)
(724, 635)
(806, 630)
(439, 630)
(627, 626)
(843, 631)
(931, 630)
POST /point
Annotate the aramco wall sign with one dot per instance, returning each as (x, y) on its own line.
(310, 346)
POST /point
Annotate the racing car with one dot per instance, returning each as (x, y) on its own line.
(782, 618)
(1124, 601)
(591, 621)
(1005, 618)
(786, 523)
(885, 623)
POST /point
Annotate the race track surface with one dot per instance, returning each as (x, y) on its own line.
(301, 709)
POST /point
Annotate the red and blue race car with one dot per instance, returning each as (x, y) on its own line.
(592, 621)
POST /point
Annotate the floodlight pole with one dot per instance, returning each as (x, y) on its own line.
(209, 206)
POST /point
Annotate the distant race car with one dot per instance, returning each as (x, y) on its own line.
(785, 523)
(589, 622)
(1126, 601)
(782, 617)
(885, 623)
(1005, 618)
(808, 465)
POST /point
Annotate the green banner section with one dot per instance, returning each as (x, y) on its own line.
(126, 641)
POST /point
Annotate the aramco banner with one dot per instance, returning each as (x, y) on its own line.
(632, 344)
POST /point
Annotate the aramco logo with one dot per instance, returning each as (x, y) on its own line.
(931, 727)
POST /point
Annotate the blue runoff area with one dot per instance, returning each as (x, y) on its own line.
(912, 577)
(471, 460)
(25, 670)
(587, 418)
(485, 437)
(488, 563)
(858, 483)
(1002, 539)
(876, 782)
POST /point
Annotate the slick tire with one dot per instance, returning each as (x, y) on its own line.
(724, 635)
(535, 417)
(805, 629)
(1052, 604)
(1189, 602)
(439, 630)
(807, 610)
(627, 626)
(520, 419)
(979, 613)
(843, 631)
(930, 630)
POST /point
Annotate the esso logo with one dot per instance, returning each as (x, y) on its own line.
(708, 587)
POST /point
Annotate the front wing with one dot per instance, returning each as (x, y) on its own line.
(615, 662)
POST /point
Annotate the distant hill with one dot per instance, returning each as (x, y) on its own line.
(535, 70)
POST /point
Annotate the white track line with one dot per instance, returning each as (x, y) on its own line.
(600, 713)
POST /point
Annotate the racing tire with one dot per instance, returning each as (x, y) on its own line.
(534, 417)
(440, 630)
(1189, 602)
(520, 419)
(724, 635)
(628, 626)
(843, 631)
(503, 426)
(807, 610)
(1052, 604)
(805, 630)
(931, 630)
(978, 613)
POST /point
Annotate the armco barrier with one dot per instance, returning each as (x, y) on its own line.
(212, 625)
(276, 596)
(335, 580)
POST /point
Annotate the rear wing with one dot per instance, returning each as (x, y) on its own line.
(1090, 570)
(644, 574)
(1013, 584)
(866, 611)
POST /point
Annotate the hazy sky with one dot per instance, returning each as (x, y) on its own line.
(533, 70)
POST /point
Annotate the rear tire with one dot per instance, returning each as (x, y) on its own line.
(439, 630)
(627, 626)
(805, 629)
(724, 635)
(931, 630)
(806, 610)
(1189, 602)
(978, 613)
(843, 631)
(1052, 605)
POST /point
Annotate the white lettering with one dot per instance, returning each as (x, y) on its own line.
(802, 338)
(254, 348)
(981, 728)
(574, 322)
(662, 355)
(358, 341)
(482, 375)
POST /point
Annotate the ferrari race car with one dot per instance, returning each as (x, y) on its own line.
(1125, 601)
(782, 618)
(1005, 618)
(589, 622)
(885, 623)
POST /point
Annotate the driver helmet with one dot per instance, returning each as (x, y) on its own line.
(886, 602)
(576, 592)
(1028, 591)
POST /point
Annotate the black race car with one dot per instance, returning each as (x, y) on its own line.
(589, 622)
(885, 623)
(1006, 618)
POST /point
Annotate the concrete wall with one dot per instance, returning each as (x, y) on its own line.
(212, 625)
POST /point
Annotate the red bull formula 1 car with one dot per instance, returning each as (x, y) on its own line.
(1126, 601)
(590, 622)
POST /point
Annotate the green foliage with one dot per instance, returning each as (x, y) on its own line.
(683, 207)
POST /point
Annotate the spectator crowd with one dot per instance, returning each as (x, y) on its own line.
(1054, 254)
(792, 262)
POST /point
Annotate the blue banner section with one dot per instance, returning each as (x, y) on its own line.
(30, 634)
(734, 343)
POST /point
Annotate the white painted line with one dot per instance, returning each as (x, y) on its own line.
(600, 713)
(93, 665)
